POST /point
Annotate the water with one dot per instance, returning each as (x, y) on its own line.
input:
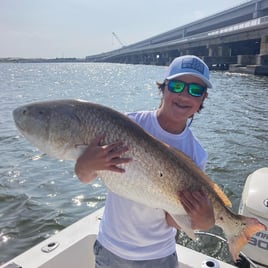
(40, 196)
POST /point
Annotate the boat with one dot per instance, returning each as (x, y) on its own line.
(73, 246)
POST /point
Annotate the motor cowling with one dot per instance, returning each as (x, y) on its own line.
(254, 203)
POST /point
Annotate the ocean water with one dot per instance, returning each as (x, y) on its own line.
(40, 196)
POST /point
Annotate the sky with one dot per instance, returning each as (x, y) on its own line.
(78, 28)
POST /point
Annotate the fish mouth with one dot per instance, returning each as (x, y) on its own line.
(17, 116)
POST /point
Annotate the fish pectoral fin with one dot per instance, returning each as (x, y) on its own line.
(185, 224)
(75, 152)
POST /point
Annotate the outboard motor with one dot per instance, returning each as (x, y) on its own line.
(254, 203)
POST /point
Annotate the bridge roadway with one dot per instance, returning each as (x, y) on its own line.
(236, 38)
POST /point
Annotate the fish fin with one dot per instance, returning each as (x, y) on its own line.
(184, 222)
(75, 152)
(221, 194)
(190, 233)
(236, 242)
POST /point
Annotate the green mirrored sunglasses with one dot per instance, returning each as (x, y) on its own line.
(177, 86)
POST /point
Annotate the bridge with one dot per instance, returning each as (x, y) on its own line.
(234, 39)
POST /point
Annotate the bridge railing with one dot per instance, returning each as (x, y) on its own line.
(213, 33)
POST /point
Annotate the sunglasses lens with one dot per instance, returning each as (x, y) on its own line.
(176, 86)
(196, 90)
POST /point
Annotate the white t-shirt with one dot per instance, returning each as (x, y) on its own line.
(136, 232)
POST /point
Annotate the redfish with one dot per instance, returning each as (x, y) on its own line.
(64, 128)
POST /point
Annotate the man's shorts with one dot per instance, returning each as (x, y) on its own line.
(106, 259)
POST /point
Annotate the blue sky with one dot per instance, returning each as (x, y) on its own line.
(77, 28)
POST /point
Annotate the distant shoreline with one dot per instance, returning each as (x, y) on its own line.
(40, 60)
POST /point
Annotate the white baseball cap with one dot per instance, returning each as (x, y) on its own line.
(189, 64)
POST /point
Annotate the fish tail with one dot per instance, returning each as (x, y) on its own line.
(249, 227)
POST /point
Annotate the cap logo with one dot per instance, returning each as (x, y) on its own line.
(193, 64)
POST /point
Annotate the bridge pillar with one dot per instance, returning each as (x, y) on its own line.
(262, 58)
(224, 51)
(221, 51)
(210, 51)
(264, 45)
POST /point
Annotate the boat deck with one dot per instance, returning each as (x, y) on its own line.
(72, 247)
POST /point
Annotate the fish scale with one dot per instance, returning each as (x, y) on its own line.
(64, 128)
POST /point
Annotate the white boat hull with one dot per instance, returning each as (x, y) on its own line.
(73, 247)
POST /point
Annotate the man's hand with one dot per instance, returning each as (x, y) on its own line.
(97, 157)
(199, 207)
